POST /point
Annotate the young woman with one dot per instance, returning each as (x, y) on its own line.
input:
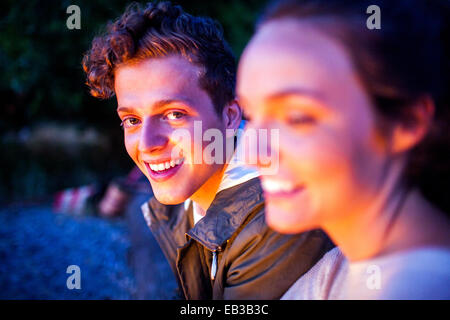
(357, 110)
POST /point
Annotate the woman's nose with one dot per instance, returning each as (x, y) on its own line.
(258, 139)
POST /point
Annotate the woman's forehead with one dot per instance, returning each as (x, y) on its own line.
(280, 57)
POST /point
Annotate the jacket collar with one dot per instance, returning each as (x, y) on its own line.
(226, 214)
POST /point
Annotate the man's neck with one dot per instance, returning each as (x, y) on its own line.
(205, 195)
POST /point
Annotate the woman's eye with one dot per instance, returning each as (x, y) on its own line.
(300, 120)
(247, 116)
(129, 122)
(174, 115)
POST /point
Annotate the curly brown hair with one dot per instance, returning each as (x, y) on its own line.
(158, 30)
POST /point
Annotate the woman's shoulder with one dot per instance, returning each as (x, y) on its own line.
(317, 282)
(420, 273)
(434, 260)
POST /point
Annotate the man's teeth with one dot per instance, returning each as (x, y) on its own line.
(165, 165)
(274, 186)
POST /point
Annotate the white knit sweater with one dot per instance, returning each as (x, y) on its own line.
(422, 273)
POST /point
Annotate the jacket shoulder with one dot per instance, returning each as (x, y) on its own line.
(262, 263)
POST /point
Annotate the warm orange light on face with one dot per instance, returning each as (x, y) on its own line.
(150, 90)
(296, 79)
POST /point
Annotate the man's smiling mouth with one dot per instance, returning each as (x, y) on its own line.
(165, 165)
(163, 170)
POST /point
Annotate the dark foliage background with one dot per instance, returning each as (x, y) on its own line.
(53, 134)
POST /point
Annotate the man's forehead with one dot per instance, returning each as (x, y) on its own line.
(157, 79)
(164, 66)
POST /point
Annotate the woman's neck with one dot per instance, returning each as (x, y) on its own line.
(397, 219)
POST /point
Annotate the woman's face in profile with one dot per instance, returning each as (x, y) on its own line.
(297, 79)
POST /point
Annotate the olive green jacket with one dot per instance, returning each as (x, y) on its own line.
(231, 253)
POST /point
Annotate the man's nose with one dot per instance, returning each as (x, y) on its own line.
(153, 137)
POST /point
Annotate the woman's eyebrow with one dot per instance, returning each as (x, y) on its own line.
(286, 93)
(241, 99)
(317, 97)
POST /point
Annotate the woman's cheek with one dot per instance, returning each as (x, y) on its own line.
(322, 163)
(316, 155)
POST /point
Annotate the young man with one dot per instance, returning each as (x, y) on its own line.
(173, 72)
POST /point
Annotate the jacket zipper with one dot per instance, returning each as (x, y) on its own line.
(214, 263)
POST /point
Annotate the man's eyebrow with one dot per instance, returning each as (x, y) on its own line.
(124, 109)
(157, 105)
(162, 103)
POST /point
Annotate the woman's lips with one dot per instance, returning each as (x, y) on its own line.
(280, 188)
(163, 175)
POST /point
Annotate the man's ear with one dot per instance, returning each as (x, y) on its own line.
(407, 134)
(232, 115)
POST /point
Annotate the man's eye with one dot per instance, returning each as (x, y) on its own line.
(129, 122)
(174, 115)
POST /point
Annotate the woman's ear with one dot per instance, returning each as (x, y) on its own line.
(407, 134)
(232, 115)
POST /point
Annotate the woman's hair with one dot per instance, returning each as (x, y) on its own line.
(403, 61)
(158, 30)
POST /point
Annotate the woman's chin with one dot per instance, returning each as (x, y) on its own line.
(287, 222)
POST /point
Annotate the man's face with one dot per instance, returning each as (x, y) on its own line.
(157, 97)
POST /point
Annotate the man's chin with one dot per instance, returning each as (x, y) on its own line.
(169, 199)
(168, 195)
